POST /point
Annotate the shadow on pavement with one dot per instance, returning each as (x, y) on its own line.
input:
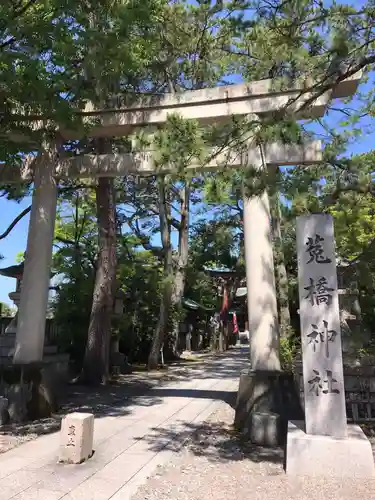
(140, 389)
(216, 441)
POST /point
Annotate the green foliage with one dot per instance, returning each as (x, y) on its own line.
(202, 288)
(140, 278)
(214, 244)
(20, 256)
(289, 349)
(50, 50)
(6, 310)
(354, 223)
(72, 306)
(74, 266)
(178, 143)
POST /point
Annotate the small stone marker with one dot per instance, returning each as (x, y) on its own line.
(324, 444)
(320, 327)
(77, 436)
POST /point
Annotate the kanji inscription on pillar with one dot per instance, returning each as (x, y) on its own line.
(320, 327)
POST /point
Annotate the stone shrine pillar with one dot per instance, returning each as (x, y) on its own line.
(36, 276)
(324, 444)
(323, 373)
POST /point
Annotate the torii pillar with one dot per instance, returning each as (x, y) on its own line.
(32, 310)
(267, 397)
(261, 287)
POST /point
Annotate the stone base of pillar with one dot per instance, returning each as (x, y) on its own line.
(32, 389)
(266, 401)
(312, 455)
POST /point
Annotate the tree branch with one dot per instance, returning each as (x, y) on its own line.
(332, 80)
(15, 222)
(144, 240)
(11, 40)
(67, 241)
(16, 14)
(23, 9)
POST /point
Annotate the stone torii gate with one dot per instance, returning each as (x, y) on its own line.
(207, 105)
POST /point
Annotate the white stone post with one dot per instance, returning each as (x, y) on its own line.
(261, 286)
(36, 276)
(76, 438)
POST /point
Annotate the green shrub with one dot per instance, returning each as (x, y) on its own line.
(289, 349)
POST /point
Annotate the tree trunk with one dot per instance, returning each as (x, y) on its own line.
(166, 299)
(183, 256)
(96, 361)
(161, 328)
(281, 274)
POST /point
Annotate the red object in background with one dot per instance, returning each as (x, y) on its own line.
(235, 323)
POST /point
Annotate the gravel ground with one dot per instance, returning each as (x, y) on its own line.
(215, 464)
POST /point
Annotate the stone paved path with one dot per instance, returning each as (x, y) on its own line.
(130, 443)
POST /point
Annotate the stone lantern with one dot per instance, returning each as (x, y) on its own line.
(17, 273)
(7, 340)
(28, 392)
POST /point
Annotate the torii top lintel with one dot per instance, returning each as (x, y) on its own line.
(213, 105)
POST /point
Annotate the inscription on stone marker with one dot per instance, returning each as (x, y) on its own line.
(71, 435)
(314, 247)
(320, 327)
(319, 292)
(323, 337)
(317, 383)
(77, 434)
